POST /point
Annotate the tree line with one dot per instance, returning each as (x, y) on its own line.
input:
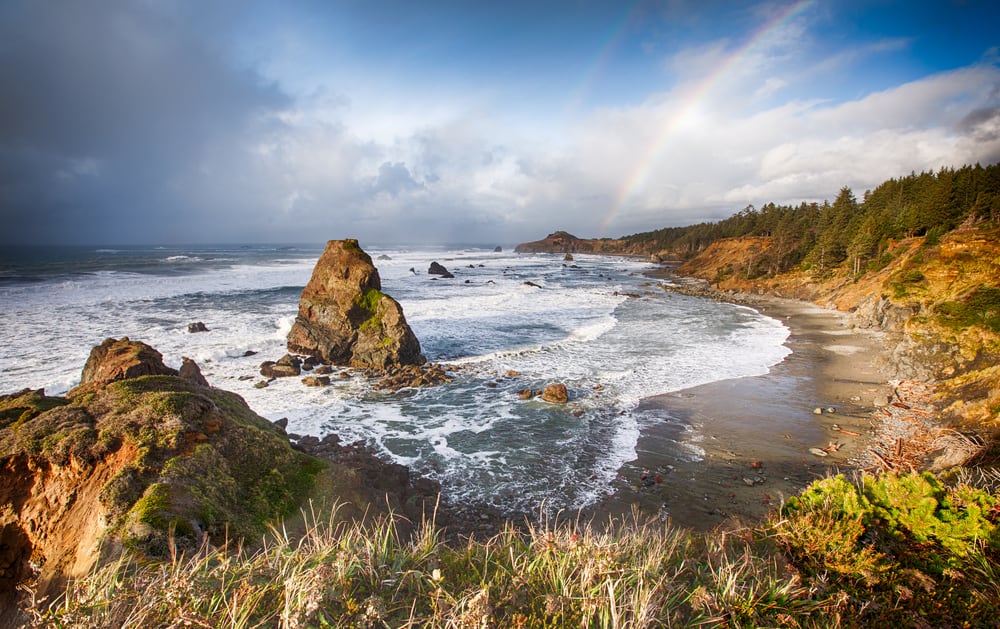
(848, 232)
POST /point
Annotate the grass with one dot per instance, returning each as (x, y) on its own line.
(831, 559)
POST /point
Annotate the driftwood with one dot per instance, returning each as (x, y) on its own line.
(882, 459)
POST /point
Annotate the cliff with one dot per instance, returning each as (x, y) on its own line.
(938, 299)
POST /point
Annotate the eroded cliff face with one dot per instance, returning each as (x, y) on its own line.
(54, 521)
(143, 458)
(344, 317)
(129, 460)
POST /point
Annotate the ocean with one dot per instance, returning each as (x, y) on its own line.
(597, 324)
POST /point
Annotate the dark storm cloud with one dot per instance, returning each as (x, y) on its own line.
(105, 108)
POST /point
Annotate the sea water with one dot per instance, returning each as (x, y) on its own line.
(596, 324)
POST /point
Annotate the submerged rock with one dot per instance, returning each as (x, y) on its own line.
(345, 318)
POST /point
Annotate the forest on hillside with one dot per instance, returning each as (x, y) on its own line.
(848, 232)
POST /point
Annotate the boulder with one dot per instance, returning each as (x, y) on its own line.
(286, 367)
(121, 359)
(437, 269)
(384, 257)
(197, 326)
(556, 393)
(345, 318)
(191, 372)
(316, 381)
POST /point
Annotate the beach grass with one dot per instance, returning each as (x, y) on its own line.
(836, 556)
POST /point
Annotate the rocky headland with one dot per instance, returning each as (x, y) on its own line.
(150, 459)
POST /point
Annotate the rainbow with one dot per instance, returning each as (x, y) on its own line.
(648, 156)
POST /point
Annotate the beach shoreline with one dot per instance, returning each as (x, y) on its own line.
(758, 435)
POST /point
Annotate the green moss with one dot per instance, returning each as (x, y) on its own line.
(368, 303)
(152, 507)
(23, 406)
(369, 300)
(979, 308)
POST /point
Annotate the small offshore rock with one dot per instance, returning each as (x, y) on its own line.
(316, 381)
(281, 423)
(498, 249)
(323, 370)
(556, 393)
(437, 269)
(261, 385)
(525, 394)
(271, 369)
(532, 284)
(249, 353)
(568, 257)
(197, 326)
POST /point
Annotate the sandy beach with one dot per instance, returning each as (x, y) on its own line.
(756, 432)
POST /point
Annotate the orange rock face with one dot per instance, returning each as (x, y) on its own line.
(345, 318)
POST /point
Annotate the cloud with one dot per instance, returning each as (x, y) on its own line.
(134, 122)
(105, 107)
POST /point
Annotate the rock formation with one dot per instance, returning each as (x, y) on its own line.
(116, 359)
(139, 457)
(556, 393)
(191, 372)
(438, 269)
(345, 318)
(564, 242)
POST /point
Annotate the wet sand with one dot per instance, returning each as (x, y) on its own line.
(755, 432)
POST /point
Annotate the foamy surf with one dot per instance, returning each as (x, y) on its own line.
(475, 435)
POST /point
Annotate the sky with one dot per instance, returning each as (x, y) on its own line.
(471, 122)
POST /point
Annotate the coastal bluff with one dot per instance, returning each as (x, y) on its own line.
(344, 317)
(146, 458)
(564, 242)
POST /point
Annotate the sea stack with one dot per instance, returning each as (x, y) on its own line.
(345, 318)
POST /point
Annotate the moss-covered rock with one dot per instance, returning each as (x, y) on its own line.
(137, 462)
(345, 318)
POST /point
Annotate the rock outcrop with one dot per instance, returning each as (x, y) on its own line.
(142, 458)
(120, 359)
(556, 393)
(345, 318)
(438, 269)
(564, 242)
(127, 458)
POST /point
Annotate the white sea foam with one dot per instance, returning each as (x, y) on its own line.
(475, 435)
